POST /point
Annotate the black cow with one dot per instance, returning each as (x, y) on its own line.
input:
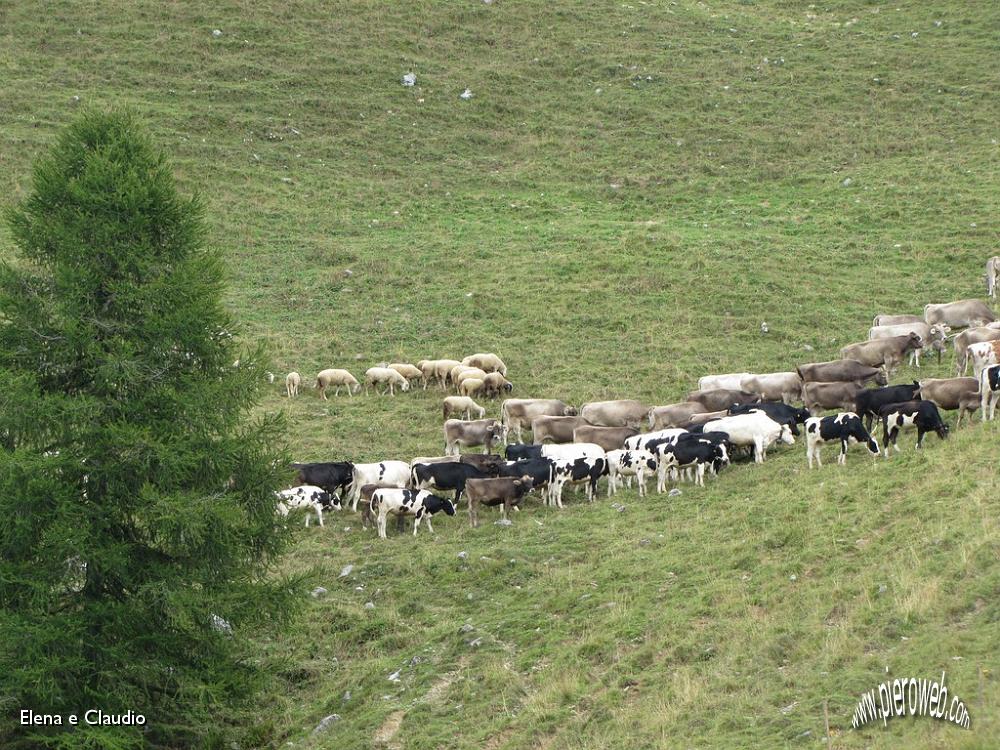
(869, 401)
(539, 469)
(845, 428)
(781, 413)
(488, 462)
(923, 415)
(522, 451)
(450, 475)
(334, 476)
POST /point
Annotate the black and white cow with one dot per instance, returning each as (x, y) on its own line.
(989, 389)
(695, 453)
(391, 473)
(870, 400)
(923, 415)
(522, 451)
(420, 504)
(310, 497)
(578, 470)
(845, 428)
(446, 476)
(793, 416)
(625, 463)
(539, 469)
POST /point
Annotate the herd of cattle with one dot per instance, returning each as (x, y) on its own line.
(727, 414)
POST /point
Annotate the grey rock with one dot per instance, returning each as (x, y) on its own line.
(847, 182)
(318, 592)
(674, 492)
(466, 95)
(476, 642)
(503, 522)
(345, 571)
(466, 628)
(410, 79)
(369, 605)
(463, 555)
(807, 347)
(216, 33)
(328, 722)
(619, 507)
(394, 677)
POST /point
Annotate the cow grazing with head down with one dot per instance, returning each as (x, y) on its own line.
(622, 413)
(845, 428)
(506, 492)
(626, 463)
(756, 429)
(673, 415)
(609, 438)
(792, 416)
(446, 477)
(697, 453)
(333, 476)
(387, 473)
(554, 429)
(837, 395)
(576, 470)
(420, 504)
(920, 414)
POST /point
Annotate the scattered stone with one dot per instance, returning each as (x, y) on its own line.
(415, 661)
(793, 577)
(318, 592)
(326, 723)
(221, 625)
(847, 182)
(619, 507)
(764, 327)
(216, 33)
(359, 588)
(369, 605)
(643, 542)
(807, 347)
(476, 643)
(75, 99)
(466, 628)
(938, 24)
(348, 273)
(347, 696)
(915, 34)
(503, 522)
(346, 570)
(410, 79)
(674, 492)
(882, 588)
(466, 95)
(358, 357)
(394, 677)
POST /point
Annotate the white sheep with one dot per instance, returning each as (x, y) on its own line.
(486, 361)
(467, 374)
(376, 375)
(407, 371)
(292, 382)
(337, 378)
(471, 386)
(462, 405)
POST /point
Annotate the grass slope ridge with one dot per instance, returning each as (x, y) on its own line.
(630, 191)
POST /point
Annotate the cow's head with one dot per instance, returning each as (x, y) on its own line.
(439, 504)
(872, 444)
(942, 429)
(330, 501)
(881, 378)
(786, 435)
(801, 415)
(570, 411)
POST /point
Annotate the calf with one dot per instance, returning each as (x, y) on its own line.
(309, 497)
(932, 337)
(923, 415)
(446, 476)
(984, 354)
(650, 440)
(420, 504)
(577, 470)
(870, 400)
(367, 518)
(966, 339)
(389, 473)
(335, 477)
(506, 491)
(639, 463)
(781, 413)
(485, 432)
(697, 453)
(845, 427)
(989, 387)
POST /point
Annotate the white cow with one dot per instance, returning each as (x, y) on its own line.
(385, 473)
(983, 355)
(756, 429)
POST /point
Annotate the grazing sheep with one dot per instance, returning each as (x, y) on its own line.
(471, 387)
(407, 371)
(487, 361)
(442, 370)
(465, 374)
(462, 405)
(292, 382)
(337, 378)
(495, 384)
(376, 375)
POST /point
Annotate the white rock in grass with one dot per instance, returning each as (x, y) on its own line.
(847, 182)
(346, 571)
(326, 723)
(394, 677)
(466, 95)
(216, 33)
(221, 625)
(369, 605)
(318, 592)
(410, 79)
(674, 492)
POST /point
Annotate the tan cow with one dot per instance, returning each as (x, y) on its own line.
(966, 339)
(555, 429)
(774, 386)
(459, 433)
(609, 438)
(962, 314)
(888, 352)
(519, 412)
(623, 413)
(673, 415)
(951, 393)
(833, 395)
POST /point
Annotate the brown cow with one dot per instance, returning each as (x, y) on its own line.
(555, 429)
(719, 399)
(609, 438)
(623, 413)
(961, 314)
(841, 371)
(836, 395)
(888, 352)
(673, 415)
(484, 432)
(968, 337)
(505, 491)
(952, 393)
(518, 412)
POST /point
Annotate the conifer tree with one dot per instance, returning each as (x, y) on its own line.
(138, 534)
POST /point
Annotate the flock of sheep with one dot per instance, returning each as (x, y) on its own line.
(688, 439)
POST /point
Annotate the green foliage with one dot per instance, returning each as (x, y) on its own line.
(136, 503)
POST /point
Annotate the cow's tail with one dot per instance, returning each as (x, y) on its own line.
(503, 411)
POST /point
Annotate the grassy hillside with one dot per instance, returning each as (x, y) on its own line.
(631, 190)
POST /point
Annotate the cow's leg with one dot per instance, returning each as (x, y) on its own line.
(758, 450)
(700, 474)
(661, 478)
(473, 512)
(842, 458)
(993, 403)
(611, 483)
(319, 514)
(380, 522)
(427, 520)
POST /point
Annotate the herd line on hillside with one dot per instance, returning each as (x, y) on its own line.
(728, 413)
